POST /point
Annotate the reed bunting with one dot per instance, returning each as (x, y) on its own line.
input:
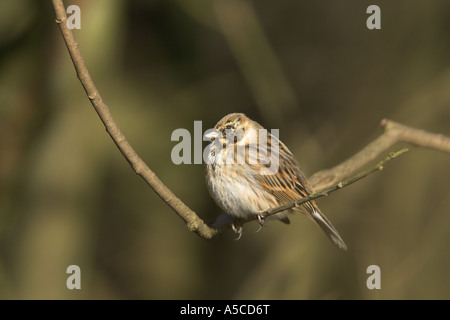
(249, 170)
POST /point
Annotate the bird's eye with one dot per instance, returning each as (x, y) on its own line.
(229, 126)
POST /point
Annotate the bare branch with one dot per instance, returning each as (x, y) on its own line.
(326, 180)
(393, 133)
(193, 222)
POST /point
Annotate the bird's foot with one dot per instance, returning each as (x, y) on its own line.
(237, 230)
(261, 219)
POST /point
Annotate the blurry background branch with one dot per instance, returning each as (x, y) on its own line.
(256, 57)
(323, 180)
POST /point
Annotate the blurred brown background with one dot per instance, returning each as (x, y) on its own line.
(312, 69)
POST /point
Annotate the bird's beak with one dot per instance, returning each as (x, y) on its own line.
(211, 134)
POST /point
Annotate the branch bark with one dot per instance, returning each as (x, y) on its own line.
(393, 133)
(193, 222)
(324, 181)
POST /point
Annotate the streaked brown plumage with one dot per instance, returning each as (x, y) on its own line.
(259, 174)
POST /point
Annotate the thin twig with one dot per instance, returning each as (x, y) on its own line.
(325, 192)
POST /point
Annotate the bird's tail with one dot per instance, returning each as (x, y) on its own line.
(328, 228)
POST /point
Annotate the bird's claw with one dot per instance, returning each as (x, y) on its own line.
(261, 218)
(237, 230)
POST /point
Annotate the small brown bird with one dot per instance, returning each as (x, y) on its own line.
(249, 170)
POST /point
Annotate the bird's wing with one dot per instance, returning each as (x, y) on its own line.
(279, 173)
